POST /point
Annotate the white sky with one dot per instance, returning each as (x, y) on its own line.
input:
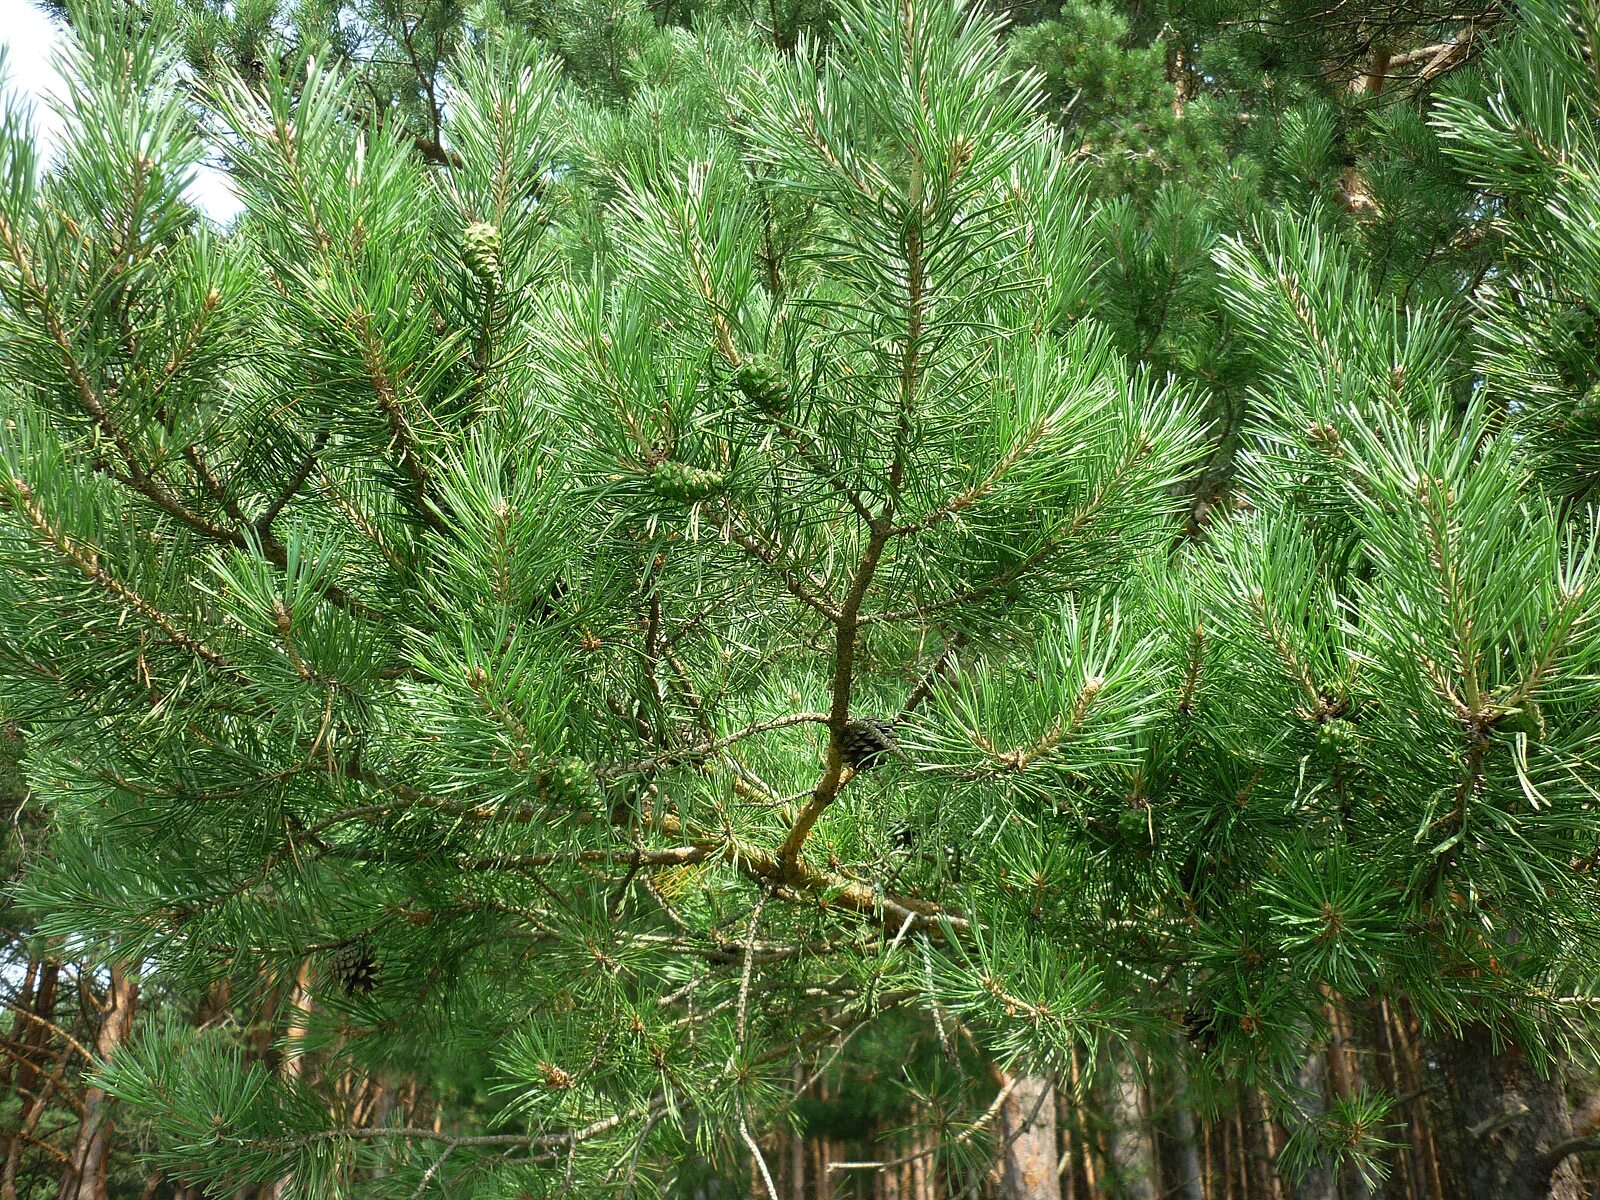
(31, 39)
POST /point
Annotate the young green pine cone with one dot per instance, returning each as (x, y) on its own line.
(761, 379)
(685, 484)
(1337, 739)
(567, 781)
(481, 249)
(1526, 718)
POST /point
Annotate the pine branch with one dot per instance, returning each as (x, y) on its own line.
(836, 775)
(84, 1053)
(133, 472)
(759, 865)
(707, 748)
(968, 497)
(263, 523)
(400, 434)
(1060, 537)
(754, 547)
(881, 529)
(944, 1145)
(88, 562)
(931, 678)
(1561, 1151)
(802, 440)
(671, 856)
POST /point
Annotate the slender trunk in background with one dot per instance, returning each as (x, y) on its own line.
(300, 1002)
(1509, 1118)
(1260, 1148)
(1239, 1164)
(797, 1143)
(27, 1082)
(1133, 1152)
(1344, 1073)
(34, 1035)
(1318, 1183)
(1066, 1157)
(86, 1174)
(1189, 1186)
(1079, 1119)
(1027, 1132)
(22, 1004)
(46, 1085)
(824, 1153)
(1225, 1159)
(1407, 1033)
(382, 1110)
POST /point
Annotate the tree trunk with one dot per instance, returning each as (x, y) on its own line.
(35, 1110)
(35, 1035)
(1318, 1182)
(293, 1065)
(1189, 1186)
(1027, 1131)
(86, 1176)
(1259, 1145)
(22, 1004)
(1133, 1152)
(1508, 1120)
(28, 1082)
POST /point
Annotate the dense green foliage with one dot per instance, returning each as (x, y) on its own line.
(670, 548)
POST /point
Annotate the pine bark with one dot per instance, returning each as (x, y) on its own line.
(1133, 1154)
(1189, 1186)
(1027, 1129)
(1317, 1183)
(294, 1065)
(1259, 1145)
(1509, 1118)
(86, 1175)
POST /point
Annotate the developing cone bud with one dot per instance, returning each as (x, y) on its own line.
(567, 781)
(685, 484)
(1526, 718)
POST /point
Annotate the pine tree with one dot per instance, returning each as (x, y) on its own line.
(570, 643)
(1393, 631)
(646, 570)
(1537, 161)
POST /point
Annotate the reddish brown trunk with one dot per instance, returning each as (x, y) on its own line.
(294, 1065)
(1259, 1147)
(24, 1003)
(36, 1104)
(1345, 1074)
(1241, 1166)
(1225, 1157)
(1081, 1131)
(1409, 1032)
(35, 1036)
(86, 1176)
